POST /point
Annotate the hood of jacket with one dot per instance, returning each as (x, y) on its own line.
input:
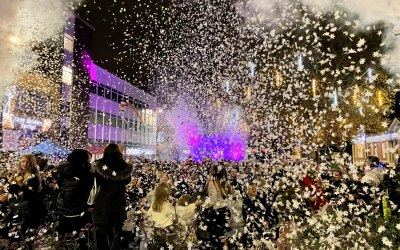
(109, 174)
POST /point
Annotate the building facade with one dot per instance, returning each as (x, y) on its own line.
(92, 97)
(111, 122)
(385, 146)
(29, 112)
(81, 108)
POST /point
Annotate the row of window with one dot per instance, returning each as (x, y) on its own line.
(114, 95)
(118, 122)
(126, 143)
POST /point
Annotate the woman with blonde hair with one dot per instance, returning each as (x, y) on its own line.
(163, 214)
(27, 172)
(27, 186)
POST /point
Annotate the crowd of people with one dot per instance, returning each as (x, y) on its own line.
(116, 203)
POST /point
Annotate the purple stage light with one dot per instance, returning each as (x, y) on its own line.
(227, 146)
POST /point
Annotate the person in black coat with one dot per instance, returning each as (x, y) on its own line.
(258, 216)
(75, 181)
(112, 175)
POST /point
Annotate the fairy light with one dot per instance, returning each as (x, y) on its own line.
(380, 101)
(314, 87)
(219, 104)
(370, 75)
(278, 80)
(227, 86)
(252, 67)
(355, 96)
(248, 92)
(300, 66)
(335, 98)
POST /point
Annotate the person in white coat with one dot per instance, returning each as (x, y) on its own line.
(163, 213)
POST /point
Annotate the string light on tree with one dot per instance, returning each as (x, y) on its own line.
(300, 65)
(227, 86)
(380, 100)
(335, 98)
(278, 78)
(355, 96)
(314, 87)
(370, 75)
(252, 67)
(248, 94)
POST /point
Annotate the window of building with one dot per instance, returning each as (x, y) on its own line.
(127, 124)
(120, 122)
(130, 99)
(92, 117)
(100, 117)
(100, 90)
(108, 120)
(107, 92)
(384, 150)
(120, 97)
(93, 88)
(114, 121)
(114, 96)
(67, 76)
(68, 42)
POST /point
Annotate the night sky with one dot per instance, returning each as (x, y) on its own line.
(125, 36)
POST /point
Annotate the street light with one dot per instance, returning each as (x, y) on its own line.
(13, 39)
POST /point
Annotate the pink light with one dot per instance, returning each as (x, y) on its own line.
(89, 66)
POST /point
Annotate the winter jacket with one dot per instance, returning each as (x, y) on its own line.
(256, 211)
(74, 184)
(110, 202)
(27, 206)
(316, 192)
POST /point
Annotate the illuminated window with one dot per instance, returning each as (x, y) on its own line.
(384, 150)
(67, 75)
(68, 43)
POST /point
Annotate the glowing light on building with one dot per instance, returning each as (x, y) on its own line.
(89, 66)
